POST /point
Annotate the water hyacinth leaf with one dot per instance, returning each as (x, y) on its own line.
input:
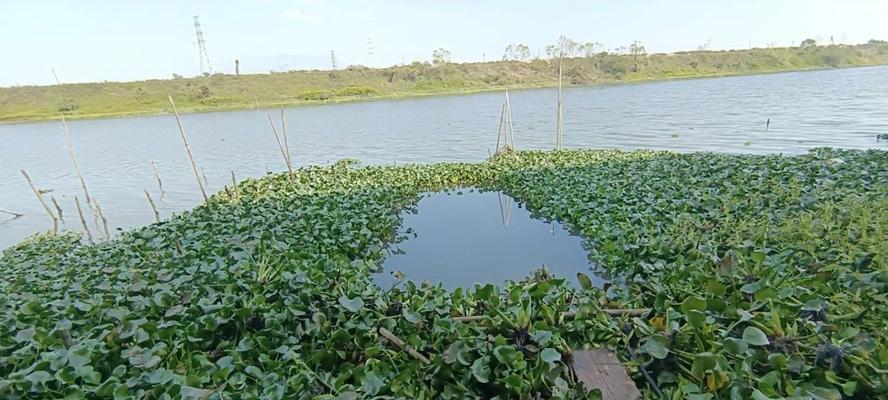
(585, 281)
(703, 362)
(696, 318)
(25, 335)
(656, 346)
(550, 356)
(735, 346)
(506, 354)
(481, 369)
(351, 304)
(693, 303)
(755, 336)
(39, 377)
(371, 384)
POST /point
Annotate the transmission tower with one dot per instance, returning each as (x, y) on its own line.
(205, 66)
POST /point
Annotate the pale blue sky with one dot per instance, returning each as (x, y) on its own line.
(89, 40)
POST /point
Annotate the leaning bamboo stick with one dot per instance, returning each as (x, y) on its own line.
(509, 116)
(234, 185)
(13, 213)
(74, 161)
(101, 215)
(286, 144)
(157, 176)
(58, 208)
(55, 221)
(194, 169)
(83, 220)
(559, 134)
(280, 144)
(499, 130)
(404, 346)
(153, 207)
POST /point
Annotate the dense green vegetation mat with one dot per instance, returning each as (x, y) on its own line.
(225, 91)
(766, 278)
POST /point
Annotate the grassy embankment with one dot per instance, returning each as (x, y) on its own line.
(765, 277)
(221, 92)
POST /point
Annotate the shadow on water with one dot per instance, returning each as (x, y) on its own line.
(469, 236)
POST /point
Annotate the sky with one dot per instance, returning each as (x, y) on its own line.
(123, 40)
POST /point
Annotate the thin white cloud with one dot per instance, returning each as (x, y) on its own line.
(298, 14)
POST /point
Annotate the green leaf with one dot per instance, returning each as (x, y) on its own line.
(702, 362)
(371, 384)
(550, 356)
(352, 305)
(755, 336)
(39, 377)
(25, 335)
(735, 346)
(584, 280)
(506, 354)
(481, 369)
(693, 303)
(656, 346)
(696, 318)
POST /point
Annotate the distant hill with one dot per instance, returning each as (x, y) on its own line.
(226, 91)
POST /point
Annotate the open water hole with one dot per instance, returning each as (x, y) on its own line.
(468, 236)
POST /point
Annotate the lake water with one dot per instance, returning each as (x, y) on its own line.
(465, 237)
(841, 108)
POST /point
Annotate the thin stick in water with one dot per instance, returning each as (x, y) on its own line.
(157, 175)
(58, 208)
(83, 220)
(13, 213)
(286, 144)
(404, 346)
(55, 221)
(74, 161)
(102, 217)
(280, 143)
(234, 185)
(153, 207)
(559, 134)
(194, 169)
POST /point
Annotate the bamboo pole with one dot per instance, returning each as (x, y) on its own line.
(234, 185)
(58, 208)
(83, 220)
(280, 144)
(153, 207)
(404, 346)
(203, 191)
(157, 176)
(102, 217)
(509, 116)
(55, 221)
(74, 161)
(13, 213)
(286, 144)
(499, 131)
(559, 134)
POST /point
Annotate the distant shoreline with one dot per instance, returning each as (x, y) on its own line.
(220, 92)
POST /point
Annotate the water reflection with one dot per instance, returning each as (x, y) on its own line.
(469, 236)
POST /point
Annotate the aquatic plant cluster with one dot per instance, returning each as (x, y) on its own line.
(764, 275)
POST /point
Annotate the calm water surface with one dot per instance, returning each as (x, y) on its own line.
(841, 108)
(466, 237)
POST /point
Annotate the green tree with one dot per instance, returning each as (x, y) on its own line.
(517, 52)
(808, 43)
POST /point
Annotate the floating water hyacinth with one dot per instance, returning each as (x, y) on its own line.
(744, 277)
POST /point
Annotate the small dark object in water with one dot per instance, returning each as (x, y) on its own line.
(767, 124)
(882, 136)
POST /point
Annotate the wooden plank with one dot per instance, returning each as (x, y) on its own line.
(600, 369)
